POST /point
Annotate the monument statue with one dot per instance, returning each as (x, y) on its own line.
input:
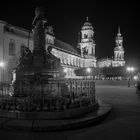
(25, 58)
(52, 61)
(39, 90)
(38, 68)
(39, 30)
(50, 30)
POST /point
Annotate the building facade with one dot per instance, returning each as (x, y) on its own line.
(13, 38)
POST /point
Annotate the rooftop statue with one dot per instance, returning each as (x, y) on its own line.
(52, 62)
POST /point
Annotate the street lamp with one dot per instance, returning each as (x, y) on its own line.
(135, 77)
(130, 71)
(89, 71)
(2, 65)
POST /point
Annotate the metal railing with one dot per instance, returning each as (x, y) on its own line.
(75, 93)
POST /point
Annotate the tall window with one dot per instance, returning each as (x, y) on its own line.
(22, 49)
(12, 47)
(85, 36)
(93, 51)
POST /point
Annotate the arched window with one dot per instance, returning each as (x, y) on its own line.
(22, 49)
(85, 36)
(73, 61)
(77, 64)
(93, 51)
(62, 59)
(68, 61)
(12, 47)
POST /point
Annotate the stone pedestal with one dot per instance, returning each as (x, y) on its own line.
(39, 71)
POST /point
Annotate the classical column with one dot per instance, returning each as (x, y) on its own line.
(39, 51)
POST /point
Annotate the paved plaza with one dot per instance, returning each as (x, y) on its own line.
(123, 122)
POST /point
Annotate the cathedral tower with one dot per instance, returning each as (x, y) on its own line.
(87, 45)
(118, 50)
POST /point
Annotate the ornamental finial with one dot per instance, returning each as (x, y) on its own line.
(119, 33)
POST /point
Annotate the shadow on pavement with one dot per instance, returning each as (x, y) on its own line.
(104, 119)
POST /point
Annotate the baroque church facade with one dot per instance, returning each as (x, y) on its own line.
(13, 38)
(118, 59)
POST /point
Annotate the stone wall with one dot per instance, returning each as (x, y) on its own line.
(114, 82)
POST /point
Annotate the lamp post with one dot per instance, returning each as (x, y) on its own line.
(89, 71)
(130, 71)
(135, 77)
(2, 65)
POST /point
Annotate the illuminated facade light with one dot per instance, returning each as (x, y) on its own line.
(65, 70)
(88, 70)
(135, 77)
(128, 69)
(2, 64)
(132, 69)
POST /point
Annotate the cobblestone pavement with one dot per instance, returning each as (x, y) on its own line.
(123, 123)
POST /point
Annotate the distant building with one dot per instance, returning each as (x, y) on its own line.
(13, 38)
(118, 59)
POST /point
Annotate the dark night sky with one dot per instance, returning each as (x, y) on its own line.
(67, 18)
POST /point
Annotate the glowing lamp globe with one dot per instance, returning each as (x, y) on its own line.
(88, 70)
(2, 64)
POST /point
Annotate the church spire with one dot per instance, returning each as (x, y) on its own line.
(119, 33)
(118, 50)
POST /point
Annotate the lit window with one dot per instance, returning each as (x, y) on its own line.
(12, 47)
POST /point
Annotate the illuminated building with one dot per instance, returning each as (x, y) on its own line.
(13, 38)
(118, 54)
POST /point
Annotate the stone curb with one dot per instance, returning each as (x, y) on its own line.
(54, 125)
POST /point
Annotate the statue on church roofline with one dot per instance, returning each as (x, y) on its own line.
(49, 30)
